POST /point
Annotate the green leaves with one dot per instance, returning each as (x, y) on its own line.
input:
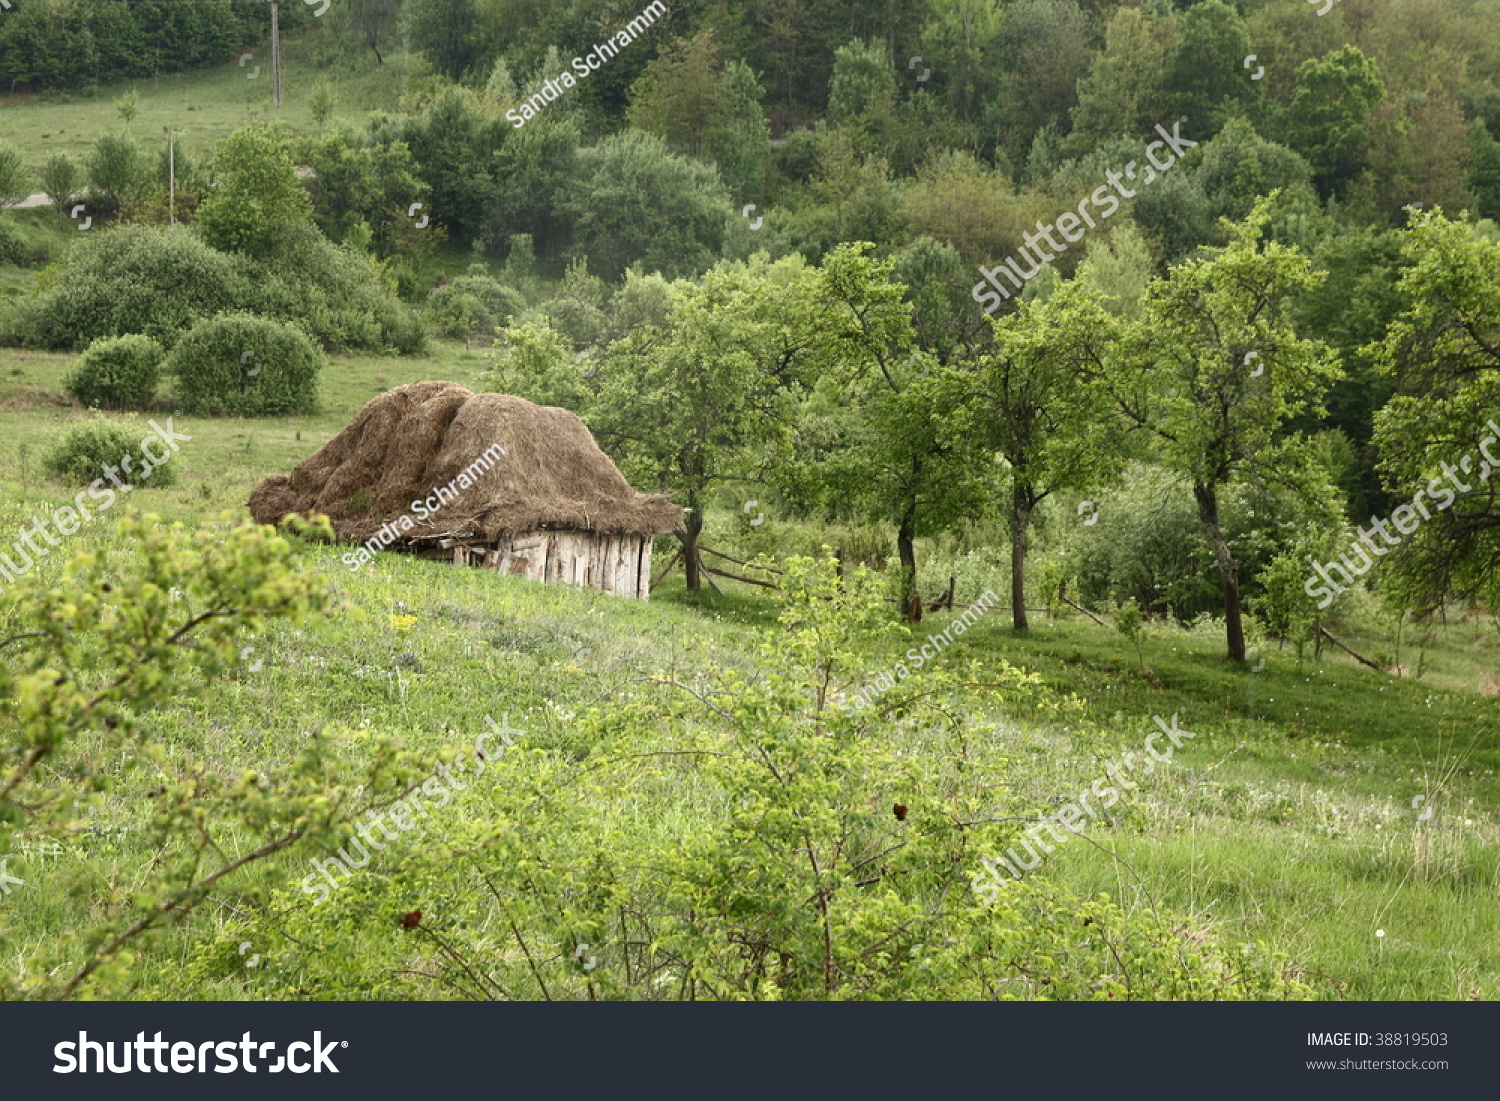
(1326, 121)
(1444, 350)
(255, 195)
(242, 363)
(731, 833)
(92, 650)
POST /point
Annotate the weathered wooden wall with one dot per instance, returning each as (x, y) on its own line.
(619, 564)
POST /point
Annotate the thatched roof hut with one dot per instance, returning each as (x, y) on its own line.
(484, 479)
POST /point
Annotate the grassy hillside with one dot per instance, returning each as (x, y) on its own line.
(202, 107)
(1288, 819)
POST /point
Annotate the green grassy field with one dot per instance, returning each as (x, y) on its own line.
(202, 106)
(1288, 819)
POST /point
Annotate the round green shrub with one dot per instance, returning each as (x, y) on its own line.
(82, 455)
(153, 280)
(117, 373)
(248, 365)
(160, 281)
(474, 304)
(335, 294)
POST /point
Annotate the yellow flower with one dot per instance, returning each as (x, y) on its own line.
(402, 622)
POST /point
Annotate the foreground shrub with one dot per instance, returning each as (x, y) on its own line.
(128, 627)
(724, 833)
(118, 372)
(240, 363)
(92, 447)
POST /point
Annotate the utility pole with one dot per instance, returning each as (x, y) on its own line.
(275, 54)
(171, 176)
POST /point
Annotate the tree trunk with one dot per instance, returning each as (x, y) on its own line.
(692, 561)
(1022, 501)
(1229, 569)
(911, 601)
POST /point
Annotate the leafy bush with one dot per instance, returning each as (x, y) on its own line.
(240, 363)
(156, 281)
(118, 372)
(337, 294)
(127, 654)
(815, 852)
(474, 303)
(83, 454)
(161, 281)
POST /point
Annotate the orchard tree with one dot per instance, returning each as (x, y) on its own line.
(876, 441)
(937, 286)
(1444, 352)
(1027, 400)
(700, 402)
(1214, 369)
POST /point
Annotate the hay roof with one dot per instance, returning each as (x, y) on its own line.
(413, 439)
